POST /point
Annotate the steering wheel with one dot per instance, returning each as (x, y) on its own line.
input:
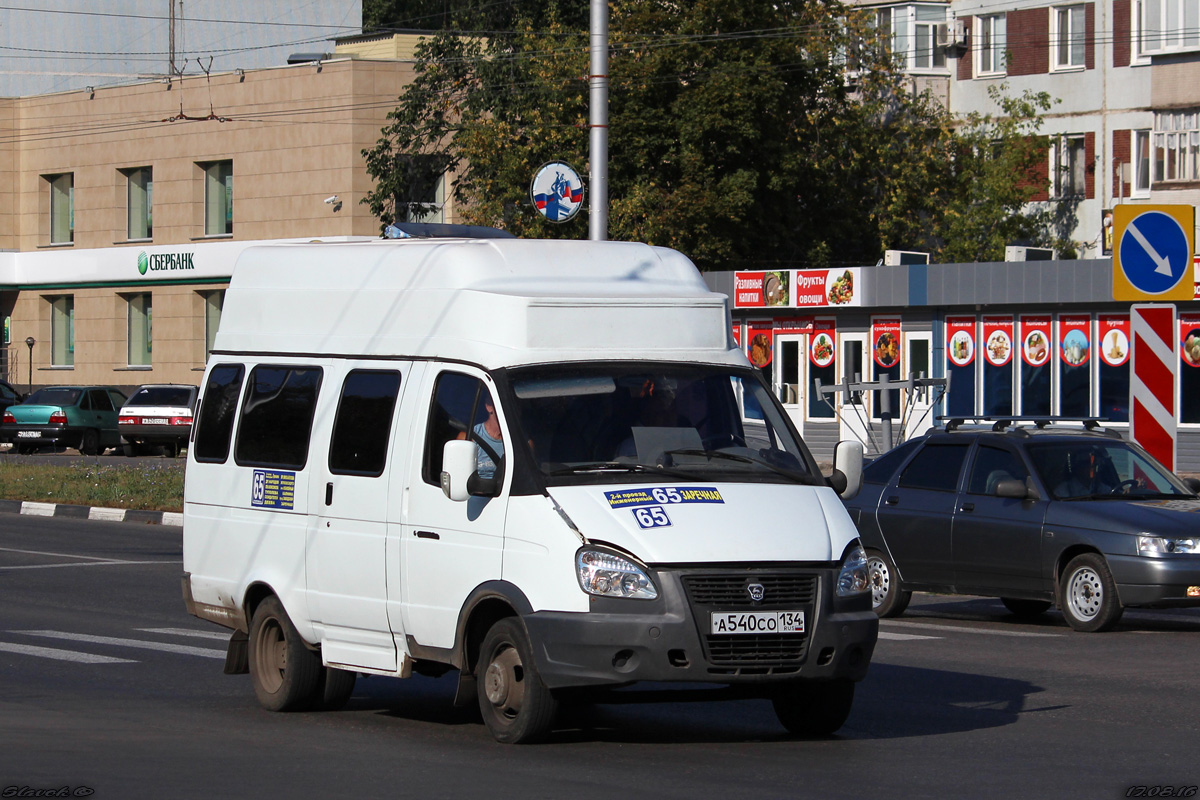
(1124, 486)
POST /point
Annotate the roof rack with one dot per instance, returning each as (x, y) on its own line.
(1041, 422)
(437, 230)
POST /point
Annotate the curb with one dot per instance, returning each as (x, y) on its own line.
(172, 518)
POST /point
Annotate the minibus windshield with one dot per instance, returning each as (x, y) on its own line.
(630, 421)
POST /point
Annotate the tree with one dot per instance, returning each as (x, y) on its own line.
(743, 134)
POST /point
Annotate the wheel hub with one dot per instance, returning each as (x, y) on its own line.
(1086, 594)
(496, 684)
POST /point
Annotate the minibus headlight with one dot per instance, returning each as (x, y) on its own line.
(853, 578)
(607, 574)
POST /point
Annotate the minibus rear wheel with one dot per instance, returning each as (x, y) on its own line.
(285, 672)
(516, 705)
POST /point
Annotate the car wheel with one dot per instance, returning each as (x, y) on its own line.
(89, 444)
(887, 598)
(129, 449)
(1025, 608)
(334, 687)
(284, 671)
(1088, 594)
(814, 708)
(25, 449)
(171, 449)
(516, 705)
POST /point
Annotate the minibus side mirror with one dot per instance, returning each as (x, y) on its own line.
(459, 458)
(846, 479)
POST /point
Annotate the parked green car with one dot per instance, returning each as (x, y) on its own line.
(83, 417)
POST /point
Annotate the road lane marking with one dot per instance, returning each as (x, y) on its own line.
(85, 564)
(904, 637)
(224, 637)
(961, 629)
(61, 655)
(184, 649)
(56, 555)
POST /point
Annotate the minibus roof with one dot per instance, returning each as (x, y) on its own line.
(494, 302)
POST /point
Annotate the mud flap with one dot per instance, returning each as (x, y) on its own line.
(237, 657)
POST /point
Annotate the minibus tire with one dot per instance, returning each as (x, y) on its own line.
(284, 671)
(334, 687)
(815, 708)
(516, 705)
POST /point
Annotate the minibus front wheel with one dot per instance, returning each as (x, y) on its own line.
(516, 705)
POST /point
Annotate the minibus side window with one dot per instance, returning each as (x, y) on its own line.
(363, 423)
(458, 408)
(277, 416)
(215, 426)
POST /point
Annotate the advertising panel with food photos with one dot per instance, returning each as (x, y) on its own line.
(822, 352)
(1074, 369)
(1113, 340)
(1036, 349)
(960, 365)
(807, 288)
(1189, 367)
(997, 364)
(885, 351)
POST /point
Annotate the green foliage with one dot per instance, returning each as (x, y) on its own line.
(735, 135)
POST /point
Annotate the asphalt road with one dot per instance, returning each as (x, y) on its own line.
(107, 685)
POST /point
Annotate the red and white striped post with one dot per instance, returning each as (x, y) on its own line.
(1154, 386)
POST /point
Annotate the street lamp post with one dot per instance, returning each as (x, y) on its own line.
(30, 341)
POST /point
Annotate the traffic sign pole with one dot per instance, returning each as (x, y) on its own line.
(1154, 383)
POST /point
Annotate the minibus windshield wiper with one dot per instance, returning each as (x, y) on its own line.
(616, 466)
(799, 477)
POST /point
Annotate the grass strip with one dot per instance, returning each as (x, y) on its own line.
(156, 487)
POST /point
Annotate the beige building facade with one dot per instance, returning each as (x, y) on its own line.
(122, 210)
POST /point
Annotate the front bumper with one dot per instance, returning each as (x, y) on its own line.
(1161, 582)
(667, 639)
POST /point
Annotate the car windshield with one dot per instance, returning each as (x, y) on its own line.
(616, 422)
(54, 396)
(1095, 469)
(161, 396)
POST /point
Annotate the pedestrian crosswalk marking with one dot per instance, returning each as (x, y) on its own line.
(61, 655)
(204, 652)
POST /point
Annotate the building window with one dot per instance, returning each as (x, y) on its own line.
(140, 329)
(913, 32)
(1069, 166)
(62, 208)
(62, 331)
(1165, 26)
(990, 43)
(139, 203)
(213, 303)
(1176, 146)
(1067, 36)
(1140, 182)
(218, 198)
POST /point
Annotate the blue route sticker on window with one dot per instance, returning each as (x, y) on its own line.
(273, 489)
(659, 496)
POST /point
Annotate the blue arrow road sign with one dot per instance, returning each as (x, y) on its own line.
(1154, 252)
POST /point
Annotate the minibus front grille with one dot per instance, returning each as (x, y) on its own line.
(756, 650)
(752, 653)
(733, 591)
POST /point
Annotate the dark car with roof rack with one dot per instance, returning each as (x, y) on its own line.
(1035, 511)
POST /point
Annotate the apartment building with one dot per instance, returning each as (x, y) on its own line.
(1125, 73)
(123, 210)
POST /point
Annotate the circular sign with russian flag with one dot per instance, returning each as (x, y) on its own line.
(557, 191)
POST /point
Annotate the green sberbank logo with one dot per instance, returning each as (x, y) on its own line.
(164, 262)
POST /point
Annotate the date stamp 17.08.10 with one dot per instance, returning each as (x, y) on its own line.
(1162, 791)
